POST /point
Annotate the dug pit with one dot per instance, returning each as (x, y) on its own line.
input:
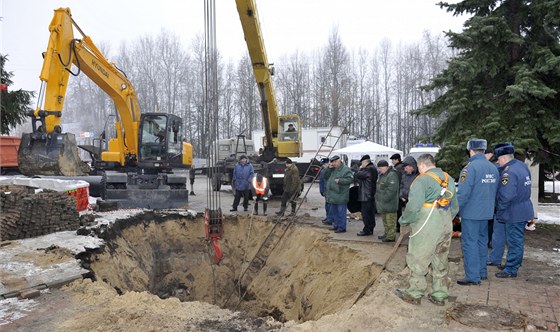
(305, 277)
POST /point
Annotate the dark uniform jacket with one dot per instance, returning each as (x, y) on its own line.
(513, 203)
(367, 179)
(478, 184)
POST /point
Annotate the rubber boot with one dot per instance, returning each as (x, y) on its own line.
(293, 213)
(281, 212)
(256, 209)
(264, 209)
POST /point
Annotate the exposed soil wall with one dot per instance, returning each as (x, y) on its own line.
(304, 278)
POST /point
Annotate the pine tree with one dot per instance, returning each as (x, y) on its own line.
(15, 104)
(504, 82)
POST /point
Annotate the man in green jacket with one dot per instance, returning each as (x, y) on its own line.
(432, 205)
(338, 177)
(387, 199)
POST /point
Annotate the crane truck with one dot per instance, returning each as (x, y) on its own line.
(137, 165)
(279, 142)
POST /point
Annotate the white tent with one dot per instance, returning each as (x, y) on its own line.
(375, 151)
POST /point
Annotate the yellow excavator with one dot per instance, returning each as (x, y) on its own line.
(137, 165)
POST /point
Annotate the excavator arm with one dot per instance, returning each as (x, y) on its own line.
(278, 142)
(47, 150)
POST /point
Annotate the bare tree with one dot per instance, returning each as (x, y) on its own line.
(336, 61)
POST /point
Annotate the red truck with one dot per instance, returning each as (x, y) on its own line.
(9, 146)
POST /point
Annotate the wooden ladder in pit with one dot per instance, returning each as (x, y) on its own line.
(279, 229)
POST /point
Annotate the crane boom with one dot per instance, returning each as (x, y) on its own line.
(277, 143)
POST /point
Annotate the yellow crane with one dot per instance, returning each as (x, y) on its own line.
(279, 140)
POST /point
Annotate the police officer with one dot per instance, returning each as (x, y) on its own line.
(513, 206)
(478, 184)
(429, 214)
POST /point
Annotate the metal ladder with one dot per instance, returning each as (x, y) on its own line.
(276, 233)
(323, 144)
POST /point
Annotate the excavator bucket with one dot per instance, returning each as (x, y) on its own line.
(55, 156)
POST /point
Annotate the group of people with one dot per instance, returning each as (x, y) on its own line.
(380, 189)
(486, 191)
(249, 184)
(419, 194)
(499, 192)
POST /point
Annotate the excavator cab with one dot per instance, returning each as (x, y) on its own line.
(161, 144)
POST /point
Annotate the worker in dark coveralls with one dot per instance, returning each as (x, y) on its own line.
(291, 188)
(478, 184)
(260, 190)
(431, 206)
(339, 177)
(366, 176)
(513, 206)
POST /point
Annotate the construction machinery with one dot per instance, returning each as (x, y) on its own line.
(281, 141)
(137, 164)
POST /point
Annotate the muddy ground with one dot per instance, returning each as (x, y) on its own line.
(309, 283)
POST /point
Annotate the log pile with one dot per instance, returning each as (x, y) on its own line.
(26, 214)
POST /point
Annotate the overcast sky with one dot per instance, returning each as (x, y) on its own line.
(288, 25)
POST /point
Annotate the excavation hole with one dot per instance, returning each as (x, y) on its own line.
(306, 276)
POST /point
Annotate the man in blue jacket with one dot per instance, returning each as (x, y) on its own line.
(242, 176)
(498, 239)
(478, 184)
(513, 206)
